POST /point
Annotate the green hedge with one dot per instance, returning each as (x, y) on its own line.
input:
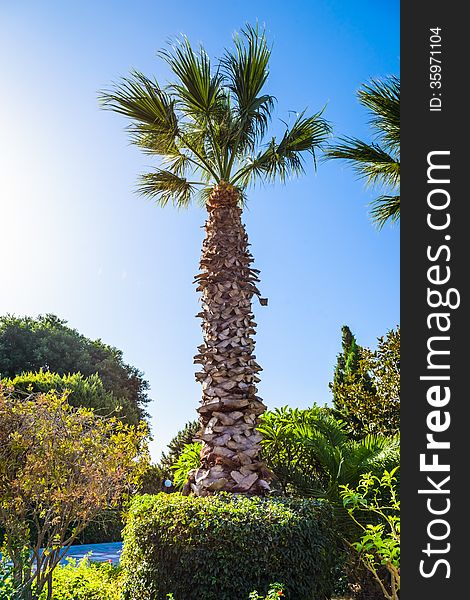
(224, 546)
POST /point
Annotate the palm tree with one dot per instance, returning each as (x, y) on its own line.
(207, 129)
(379, 161)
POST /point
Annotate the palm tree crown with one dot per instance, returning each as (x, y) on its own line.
(378, 162)
(208, 127)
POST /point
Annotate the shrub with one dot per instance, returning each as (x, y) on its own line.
(311, 454)
(85, 580)
(8, 589)
(378, 546)
(88, 392)
(224, 546)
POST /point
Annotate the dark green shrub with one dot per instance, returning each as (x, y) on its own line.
(222, 547)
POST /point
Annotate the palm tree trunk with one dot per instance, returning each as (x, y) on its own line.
(229, 408)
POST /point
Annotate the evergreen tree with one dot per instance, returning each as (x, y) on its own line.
(366, 385)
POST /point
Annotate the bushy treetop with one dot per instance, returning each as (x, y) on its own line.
(47, 343)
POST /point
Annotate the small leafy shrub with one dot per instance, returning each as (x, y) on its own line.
(190, 458)
(60, 467)
(378, 545)
(222, 547)
(85, 580)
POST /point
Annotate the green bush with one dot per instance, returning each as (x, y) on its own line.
(224, 546)
(85, 580)
(83, 391)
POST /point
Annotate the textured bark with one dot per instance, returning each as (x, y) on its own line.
(229, 408)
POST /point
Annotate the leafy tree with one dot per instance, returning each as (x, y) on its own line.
(207, 129)
(48, 343)
(59, 468)
(366, 390)
(378, 544)
(378, 161)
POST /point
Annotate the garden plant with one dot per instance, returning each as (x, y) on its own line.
(60, 467)
(378, 544)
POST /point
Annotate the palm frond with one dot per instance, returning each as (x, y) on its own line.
(284, 159)
(165, 186)
(199, 90)
(178, 163)
(382, 99)
(379, 161)
(246, 70)
(385, 208)
(369, 161)
(154, 124)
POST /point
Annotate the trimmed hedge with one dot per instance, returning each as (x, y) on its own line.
(224, 546)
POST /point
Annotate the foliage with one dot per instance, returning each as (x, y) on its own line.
(86, 580)
(208, 126)
(153, 479)
(379, 161)
(88, 392)
(47, 343)
(348, 362)
(59, 468)
(105, 527)
(223, 546)
(8, 589)
(366, 386)
(311, 453)
(190, 458)
(379, 544)
(177, 445)
(274, 592)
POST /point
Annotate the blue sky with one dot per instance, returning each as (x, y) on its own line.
(78, 242)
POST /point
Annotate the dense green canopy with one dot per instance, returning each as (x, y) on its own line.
(28, 345)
